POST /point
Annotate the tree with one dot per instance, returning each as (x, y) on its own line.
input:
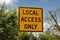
(52, 23)
(25, 36)
(53, 17)
(8, 24)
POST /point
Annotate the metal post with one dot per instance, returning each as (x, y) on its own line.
(30, 35)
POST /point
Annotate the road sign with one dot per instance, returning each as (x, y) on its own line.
(31, 19)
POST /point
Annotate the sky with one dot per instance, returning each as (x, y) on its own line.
(47, 5)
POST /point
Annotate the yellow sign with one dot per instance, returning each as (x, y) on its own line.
(30, 19)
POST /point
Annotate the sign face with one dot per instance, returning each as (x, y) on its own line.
(30, 19)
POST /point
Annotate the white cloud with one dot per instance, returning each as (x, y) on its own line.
(5, 1)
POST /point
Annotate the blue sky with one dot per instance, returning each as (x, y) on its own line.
(47, 5)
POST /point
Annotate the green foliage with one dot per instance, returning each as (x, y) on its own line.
(25, 36)
(8, 24)
(48, 36)
(41, 37)
(58, 28)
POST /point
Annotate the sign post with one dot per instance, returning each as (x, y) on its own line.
(30, 19)
(30, 35)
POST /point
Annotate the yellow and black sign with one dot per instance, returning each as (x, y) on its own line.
(30, 19)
